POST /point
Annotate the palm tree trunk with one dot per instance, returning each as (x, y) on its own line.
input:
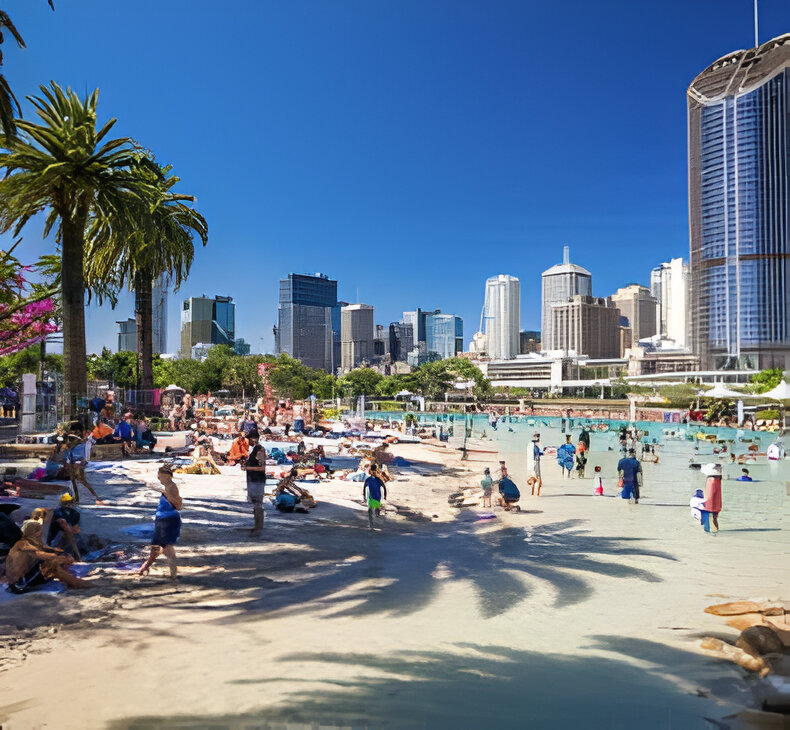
(143, 314)
(75, 378)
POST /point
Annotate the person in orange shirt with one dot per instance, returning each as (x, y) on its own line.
(102, 431)
(239, 449)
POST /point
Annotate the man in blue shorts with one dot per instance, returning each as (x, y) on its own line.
(630, 471)
(371, 491)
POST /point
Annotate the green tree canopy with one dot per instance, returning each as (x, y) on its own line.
(362, 381)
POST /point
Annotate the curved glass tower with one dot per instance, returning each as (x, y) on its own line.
(739, 156)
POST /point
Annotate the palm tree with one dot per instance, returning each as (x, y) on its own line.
(64, 166)
(159, 242)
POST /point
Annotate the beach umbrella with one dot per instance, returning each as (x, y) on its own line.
(780, 392)
(173, 388)
(721, 391)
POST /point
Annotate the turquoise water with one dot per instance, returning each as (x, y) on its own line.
(670, 482)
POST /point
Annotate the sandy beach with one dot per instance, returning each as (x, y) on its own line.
(579, 611)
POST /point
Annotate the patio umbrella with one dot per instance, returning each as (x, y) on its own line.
(172, 388)
(720, 391)
(780, 392)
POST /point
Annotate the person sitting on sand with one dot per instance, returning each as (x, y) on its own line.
(744, 477)
(487, 483)
(509, 494)
(239, 450)
(65, 526)
(124, 433)
(30, 563)
(167, 523)
(372, 491)
(102, 432)
(177, 418)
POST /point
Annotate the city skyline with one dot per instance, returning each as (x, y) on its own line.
(512, 209)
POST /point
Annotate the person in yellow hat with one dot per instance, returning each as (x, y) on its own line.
(65, 526)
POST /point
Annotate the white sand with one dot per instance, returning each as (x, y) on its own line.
(580, 611)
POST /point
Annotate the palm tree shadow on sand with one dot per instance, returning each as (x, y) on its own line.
(469, 685)
(399, 572)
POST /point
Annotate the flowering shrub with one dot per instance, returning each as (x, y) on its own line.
(27, 311)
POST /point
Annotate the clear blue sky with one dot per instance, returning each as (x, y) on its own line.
(408, 148)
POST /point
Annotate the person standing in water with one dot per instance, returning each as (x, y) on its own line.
(537, 452)
(372, 492)
(712, 494)
(565, 454)
(630, 472)
(167, 525)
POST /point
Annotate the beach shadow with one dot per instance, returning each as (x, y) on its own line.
(347, 570)
(470, 685)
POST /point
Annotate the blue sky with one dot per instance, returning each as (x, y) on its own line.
(408, 148)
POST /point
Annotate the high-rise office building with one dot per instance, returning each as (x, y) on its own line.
(207, 321)
(159, 315)
(739, 209)
(356, 336)
(559, 284)
(127, 335)
(417, 319)
(669, 285)
(638, 306)
(308, 321)
(529, 341)
(401, 341)
(502, 315)
(586, 326)
(444, 335)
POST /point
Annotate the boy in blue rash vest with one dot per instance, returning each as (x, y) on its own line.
(371, 491)
(630, 471)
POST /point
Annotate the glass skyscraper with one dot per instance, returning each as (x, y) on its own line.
(739, 156)
(444, 334)
(309, 321)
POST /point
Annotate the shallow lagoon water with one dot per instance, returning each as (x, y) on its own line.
(670, 483)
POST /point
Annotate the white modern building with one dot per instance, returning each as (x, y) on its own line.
(559, 284)
(502, 316)
(669, 285)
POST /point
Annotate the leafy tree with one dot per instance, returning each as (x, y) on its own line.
(65, 166)
(13, 366)
(188, 374)
(362, 381)
(766, 380)
(389, 386)
(119, 368)
(324, 386)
